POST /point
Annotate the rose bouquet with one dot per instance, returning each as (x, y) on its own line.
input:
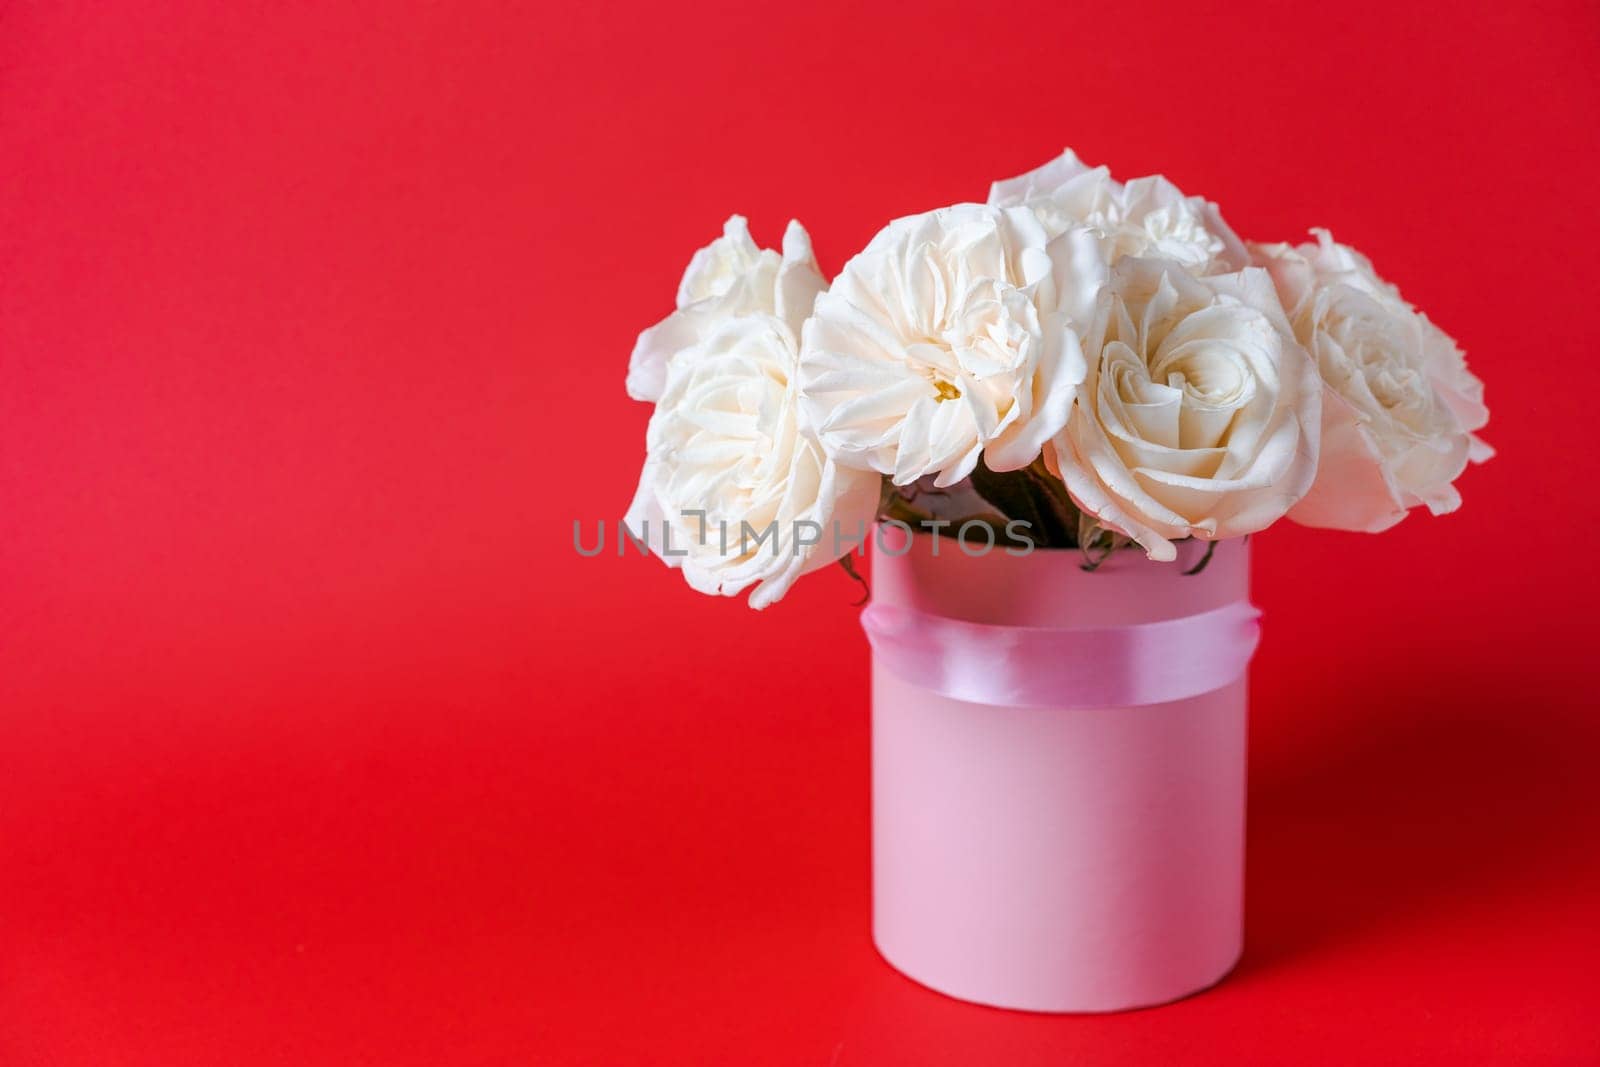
(1076, 362)
(1058, 751)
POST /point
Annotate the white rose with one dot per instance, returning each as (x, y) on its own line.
(732, 490)
(1399, 404)
(1147, 217)
(728, 277)
(953, 334)
(1198, 416)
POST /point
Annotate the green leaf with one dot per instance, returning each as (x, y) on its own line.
(1032, 495)
(849, 566)
(1211, 546)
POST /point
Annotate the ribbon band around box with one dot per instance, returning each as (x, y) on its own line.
(1072, 667)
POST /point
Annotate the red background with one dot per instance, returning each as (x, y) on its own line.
(322, 746)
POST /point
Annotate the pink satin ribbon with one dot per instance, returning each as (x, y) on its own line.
(1047, 667)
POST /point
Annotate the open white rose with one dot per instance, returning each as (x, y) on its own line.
(954, 334)
(1198, 416)
(733, 491)
(1146, 217)
(728, 277)
(1399, 405)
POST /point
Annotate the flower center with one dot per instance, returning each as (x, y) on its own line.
(1395, 387)
(943, 390)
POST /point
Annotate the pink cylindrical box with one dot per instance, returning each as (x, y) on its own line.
(1057, 859)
